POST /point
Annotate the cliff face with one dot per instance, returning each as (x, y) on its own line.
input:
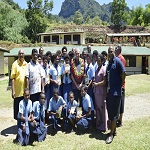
(87, 8)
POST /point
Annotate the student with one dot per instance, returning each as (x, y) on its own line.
(55, 109)
(24, 119)
(71, 112)
(89, 75)
(84, 121)
(55, 75)
(46, 79)
(38, 124)
(67, 82)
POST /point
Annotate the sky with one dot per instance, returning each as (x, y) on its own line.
(58, 3)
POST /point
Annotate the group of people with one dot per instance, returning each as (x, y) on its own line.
(71, 90)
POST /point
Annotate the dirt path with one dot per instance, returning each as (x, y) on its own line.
(135, 107)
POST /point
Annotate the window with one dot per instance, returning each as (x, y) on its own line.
(130, 61)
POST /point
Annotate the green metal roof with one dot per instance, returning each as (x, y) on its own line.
(126, 50)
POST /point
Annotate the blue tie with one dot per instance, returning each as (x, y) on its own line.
(41, 115)
(26, 121)
(86, 70)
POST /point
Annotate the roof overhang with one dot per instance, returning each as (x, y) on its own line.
(4, 50)
(126, 50)
(127, 34)
(57, 33)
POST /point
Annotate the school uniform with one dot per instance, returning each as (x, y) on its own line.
(39, 115)
(67, 85)
(85, 122)
(25, 108)
(53, 107)
(89, 71)
(70, 117)
(47, 85)
(55, 71)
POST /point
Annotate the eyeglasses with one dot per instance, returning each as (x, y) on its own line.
(110, 51)
(71, 97)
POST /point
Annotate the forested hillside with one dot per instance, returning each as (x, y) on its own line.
(22, 25)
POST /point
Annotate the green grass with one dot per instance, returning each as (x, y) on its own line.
(5, 95)
(134, 135)
(137, 84)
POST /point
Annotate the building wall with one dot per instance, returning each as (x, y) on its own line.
(10, 62)
(1, 63)
(61, 38)
(137, 69)
(149, 65)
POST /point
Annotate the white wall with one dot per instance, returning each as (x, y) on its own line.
(10, 62)
(148, 64)
(137, 69)
(1, 63)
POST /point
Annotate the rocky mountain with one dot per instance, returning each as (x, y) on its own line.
(87, 8)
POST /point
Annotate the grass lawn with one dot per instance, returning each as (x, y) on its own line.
(5, 95)
(135, 84)
(134, 135)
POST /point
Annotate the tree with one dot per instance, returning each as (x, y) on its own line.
(12, 24)
(137, 18)
(97, 21)
(118, 9)
(146, 15)
(36, 17)
(78, 18)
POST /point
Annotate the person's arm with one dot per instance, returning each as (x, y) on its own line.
(13, 89)
(88, 114)
(101, 83)
(22, 117)
(123, 77)
(42, 84)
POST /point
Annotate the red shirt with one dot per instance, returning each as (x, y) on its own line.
(124, 64)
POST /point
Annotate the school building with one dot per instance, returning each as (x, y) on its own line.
(76, 37)
(2, 51)
(137, 58)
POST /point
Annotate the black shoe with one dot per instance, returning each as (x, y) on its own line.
(109, 139)
(115, 133)
(119, 123)
(15, 141)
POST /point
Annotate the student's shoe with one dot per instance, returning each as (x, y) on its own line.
(15, 141)
(119, 123)
(109, 139)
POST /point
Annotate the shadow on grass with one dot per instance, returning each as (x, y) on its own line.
(9, 130)
(98, 135)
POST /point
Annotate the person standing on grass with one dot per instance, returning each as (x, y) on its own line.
(24, 119)
(100, 95)
(77, 75)
(55, 73)
(18, 80)
(34, 77)
(118, 54)
(66, 79)
(115, 79)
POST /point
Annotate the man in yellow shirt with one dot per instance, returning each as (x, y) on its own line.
(18, 80)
